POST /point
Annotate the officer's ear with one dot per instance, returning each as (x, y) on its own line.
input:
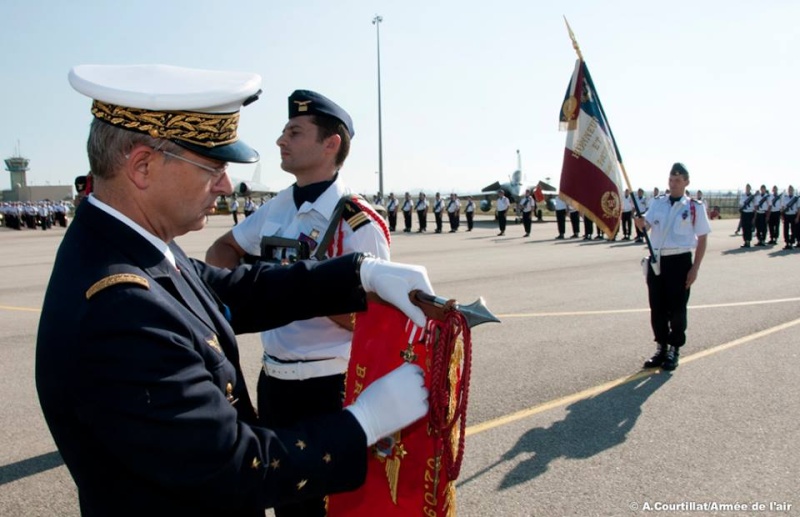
(332, 144)
(139, 164)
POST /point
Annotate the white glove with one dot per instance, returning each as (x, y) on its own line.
(392, 282)
(391, 403)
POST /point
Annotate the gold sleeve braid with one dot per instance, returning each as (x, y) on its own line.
(121, 278)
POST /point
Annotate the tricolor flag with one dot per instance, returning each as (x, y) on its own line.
(590, 175)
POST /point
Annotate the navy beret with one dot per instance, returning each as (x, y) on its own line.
(679, 168)
(306, 102)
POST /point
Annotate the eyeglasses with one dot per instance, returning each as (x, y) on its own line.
(214, 171)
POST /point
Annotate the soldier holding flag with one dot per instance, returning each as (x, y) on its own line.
(679, 226)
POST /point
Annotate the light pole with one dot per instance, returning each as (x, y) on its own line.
(377, 23)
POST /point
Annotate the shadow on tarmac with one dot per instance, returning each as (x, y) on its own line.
(29, 467)
(591, 426)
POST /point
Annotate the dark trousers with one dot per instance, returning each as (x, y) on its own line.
(526, 222)
(422, 216)
(561, 222)
(626, 224)
(789, 229)
(454, 220)
(392, 220)
(668, 298)
(575, 219)
(282, 403)
(588, 227)
(470, 215)
(747, 226)
(501, 220)
(774, 226)
(235, 218)
(761, 226)
(407, 220)
(437, 216)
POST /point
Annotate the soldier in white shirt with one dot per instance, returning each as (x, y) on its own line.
(790, 215)
(249, 207)
(391, 210)
(453, 212)
(641, 202)
(421, 207)
(679, 225)
(304, 362)
(627, 210)
(502, 208)
(526, 205)
(761, 203)
(469, 211)
(774, 216)
(408, 206)
(438, 209)
(234, 208)
(747, 209)
(561, 216)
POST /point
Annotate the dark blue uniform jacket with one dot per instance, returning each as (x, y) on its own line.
(138, 375)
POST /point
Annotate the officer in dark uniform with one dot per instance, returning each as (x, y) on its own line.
(137, 366)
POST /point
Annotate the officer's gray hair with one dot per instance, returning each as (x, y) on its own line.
(108, 146)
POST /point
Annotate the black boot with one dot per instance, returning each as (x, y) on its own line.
(671, 361)
(657, 359)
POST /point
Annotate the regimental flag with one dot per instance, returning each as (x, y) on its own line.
(590, 175)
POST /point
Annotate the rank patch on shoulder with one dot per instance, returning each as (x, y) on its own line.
(354, 215)
(120, 278)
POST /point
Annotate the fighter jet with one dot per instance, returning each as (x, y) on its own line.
(254, 187)
(514, 189)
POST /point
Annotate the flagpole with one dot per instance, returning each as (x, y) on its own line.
(619, 158)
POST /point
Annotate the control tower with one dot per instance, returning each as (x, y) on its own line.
(18, 167)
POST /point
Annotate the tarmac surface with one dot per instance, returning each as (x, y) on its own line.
(562, 420)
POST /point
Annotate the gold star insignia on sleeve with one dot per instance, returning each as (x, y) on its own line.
(327, 458)
(275, 463)
(300, 444)
(255, 464)
(301, 484)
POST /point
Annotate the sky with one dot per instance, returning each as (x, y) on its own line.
(464, 84)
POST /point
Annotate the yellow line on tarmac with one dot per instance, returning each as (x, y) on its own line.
(629, 311)
(24, 309)
(585, 394)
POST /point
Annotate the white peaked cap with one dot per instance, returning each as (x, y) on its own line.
(197, 109)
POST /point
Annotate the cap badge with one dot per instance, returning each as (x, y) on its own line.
(302, 105)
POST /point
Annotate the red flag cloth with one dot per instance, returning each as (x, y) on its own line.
(412, 472)
(537, 194)
(590, 174)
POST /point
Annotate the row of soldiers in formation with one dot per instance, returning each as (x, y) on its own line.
(40, 214)
(764, 212)
(526, 207)
(451, 207)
